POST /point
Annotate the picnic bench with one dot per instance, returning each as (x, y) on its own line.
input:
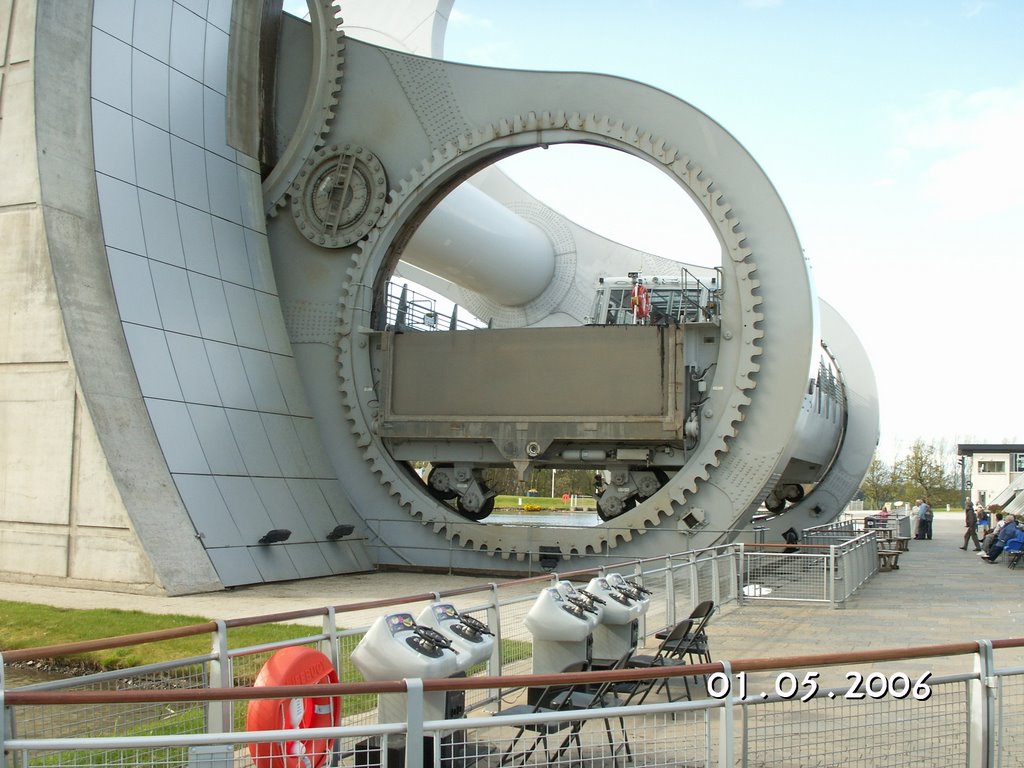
(889, 559)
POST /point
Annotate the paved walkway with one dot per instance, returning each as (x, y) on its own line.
(939, 595)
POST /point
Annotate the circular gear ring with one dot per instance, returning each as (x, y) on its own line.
(355, 304)
(339, 195)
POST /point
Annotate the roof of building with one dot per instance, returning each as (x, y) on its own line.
(969, 449)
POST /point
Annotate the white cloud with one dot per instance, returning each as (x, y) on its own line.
(970, 143)
(468, 20)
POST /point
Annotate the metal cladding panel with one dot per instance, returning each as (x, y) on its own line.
(188, 42)
(231, 252)
(308, 559)
(111, 71)
(189, 163)
(150, 91)
(212, 308)
(262, 376)
(174, 298)
(113, 144)
(193, 369)
(235, 566)
(153, 159)
(251, 436)
(283, 510)
(229, 373)
(306, 431)
(133, 288)
(114, 17)
(273, 323)
(162, 231)
(186, 108)
(543, 372)
(206, 504)
(153, 364)
(246, 507)
(222, 179)
(291, 387)
(122, 221)
(311, 500)
(273, 562)
(217, 439)
(245, 316)
(285, 443)
(260, 266)
(152, 32)
(215, 65)
(197, 240)
(178, 437)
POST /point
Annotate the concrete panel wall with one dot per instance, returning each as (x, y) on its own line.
(61, 516)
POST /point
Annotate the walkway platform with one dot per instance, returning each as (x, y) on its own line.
(940, 594)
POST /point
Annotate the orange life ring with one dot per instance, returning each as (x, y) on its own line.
(641, 301)
(296, 665)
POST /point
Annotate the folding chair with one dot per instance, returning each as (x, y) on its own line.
(1014, 548)
(699, 647)
(586, 697)
(554, 698)
(674, 650)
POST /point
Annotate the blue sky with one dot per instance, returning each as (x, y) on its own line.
(894, 133)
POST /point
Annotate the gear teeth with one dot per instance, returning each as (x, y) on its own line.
(685, 483)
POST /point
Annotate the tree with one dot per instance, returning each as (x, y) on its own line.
(926, 475)
(879, 484)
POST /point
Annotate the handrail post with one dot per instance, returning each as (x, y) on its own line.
(414, 721)
(982, 726)
(496, 664)
(726, 725)
(831, 581)
(670, 592)
(218, 714)
(3, 717)
(741, 571)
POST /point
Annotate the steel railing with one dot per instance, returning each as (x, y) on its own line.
(678, 583)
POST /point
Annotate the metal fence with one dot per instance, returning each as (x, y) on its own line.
(677, 583)
(870, 709)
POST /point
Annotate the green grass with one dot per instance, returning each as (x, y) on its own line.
(544, 502)
(27, 625)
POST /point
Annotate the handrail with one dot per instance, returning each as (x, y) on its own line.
(101, 644)
(16, 697)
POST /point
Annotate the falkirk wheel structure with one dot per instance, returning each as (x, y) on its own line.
(241, 217)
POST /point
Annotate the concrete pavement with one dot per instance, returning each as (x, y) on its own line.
(939, 595)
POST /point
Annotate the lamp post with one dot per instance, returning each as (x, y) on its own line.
(553, 471)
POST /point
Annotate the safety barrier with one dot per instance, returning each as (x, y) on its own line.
(876, 708)
(677, 582)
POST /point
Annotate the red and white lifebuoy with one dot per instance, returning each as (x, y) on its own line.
(641, 302)
(293, 666)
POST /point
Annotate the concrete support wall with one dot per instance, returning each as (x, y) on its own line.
(62, 519)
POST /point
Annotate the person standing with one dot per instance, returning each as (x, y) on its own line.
(971, 520)
(924, 515)
(915, 518)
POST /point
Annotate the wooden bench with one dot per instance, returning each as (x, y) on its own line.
(902, 543)
(889, 559)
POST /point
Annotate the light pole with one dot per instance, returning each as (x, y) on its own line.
(553, 471)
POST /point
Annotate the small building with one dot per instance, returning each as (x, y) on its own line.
(995, 474)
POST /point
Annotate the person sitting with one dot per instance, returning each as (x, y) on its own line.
(990, 537)
(1007, 532)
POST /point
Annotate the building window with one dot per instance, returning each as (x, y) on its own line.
(1017, 462)
(992, 466)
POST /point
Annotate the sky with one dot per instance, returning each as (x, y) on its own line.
(893, 132)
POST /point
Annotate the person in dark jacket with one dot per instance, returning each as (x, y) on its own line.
(971, 519)
(1007, 532)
